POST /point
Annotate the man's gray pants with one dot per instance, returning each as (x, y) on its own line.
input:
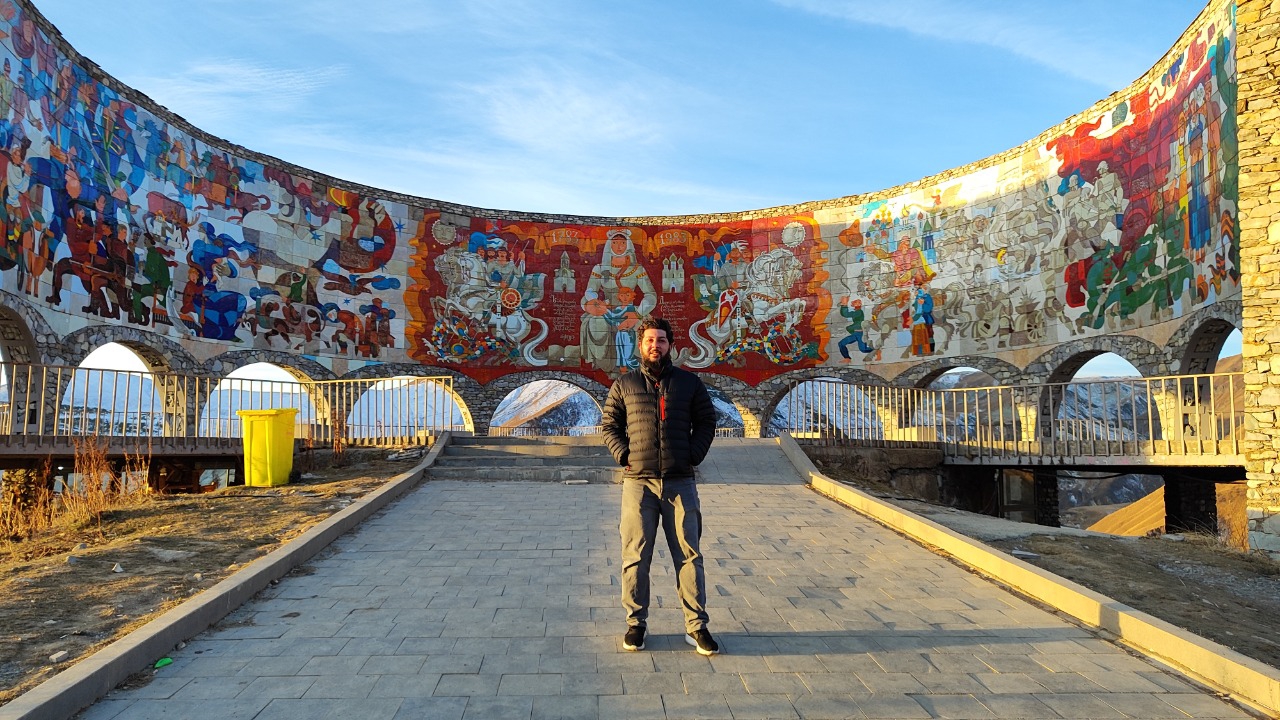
(675, 503)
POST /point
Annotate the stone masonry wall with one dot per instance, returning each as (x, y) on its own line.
(1258, 113)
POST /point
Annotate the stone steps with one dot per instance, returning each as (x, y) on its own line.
(515, 451)
(522, 461)
(526, 459)
(554, 473)
(564, 441)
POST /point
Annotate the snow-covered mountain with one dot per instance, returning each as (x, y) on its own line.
(547, 406)
(554, 406)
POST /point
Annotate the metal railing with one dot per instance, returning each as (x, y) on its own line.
(39, 403)
(1141, 420)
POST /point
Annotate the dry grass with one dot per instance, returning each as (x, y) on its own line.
(103, 486)
(59, 589)
(339, 440)
(26, 505)
(29, 506)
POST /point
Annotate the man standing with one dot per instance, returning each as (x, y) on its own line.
(659, 423)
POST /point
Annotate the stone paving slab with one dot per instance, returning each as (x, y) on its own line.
(501, 600)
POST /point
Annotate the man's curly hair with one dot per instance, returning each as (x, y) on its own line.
(662, 324)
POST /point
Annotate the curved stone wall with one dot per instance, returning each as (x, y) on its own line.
(1121, 220)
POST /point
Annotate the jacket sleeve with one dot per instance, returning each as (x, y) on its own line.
(702, 424)
(613, 424)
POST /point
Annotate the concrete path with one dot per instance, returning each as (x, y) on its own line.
(500, 600)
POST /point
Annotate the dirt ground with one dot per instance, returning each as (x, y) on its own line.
(1192, 581)
(59, 592)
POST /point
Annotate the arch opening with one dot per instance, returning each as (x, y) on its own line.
(404, 409)
(1106, 400)
(967, 404)
(111, 392)
(258, 386)
(827, 407)
(1214, 347)
(728, 414)
(1103, 399)
(546, 408)
(963, 376)
(1212, 403)
(1231, 353)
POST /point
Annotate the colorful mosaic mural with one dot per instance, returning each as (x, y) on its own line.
(115, 211)
(497, 296)
(1126, 221)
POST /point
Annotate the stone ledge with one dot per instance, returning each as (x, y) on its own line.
(1220, 667)
(82, 684)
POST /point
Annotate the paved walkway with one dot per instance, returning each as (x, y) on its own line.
(500, 600)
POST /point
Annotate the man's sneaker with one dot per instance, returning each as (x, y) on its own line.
(703, 642)
(634, 639)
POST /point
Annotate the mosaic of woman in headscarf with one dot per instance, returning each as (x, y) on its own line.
(618, 295)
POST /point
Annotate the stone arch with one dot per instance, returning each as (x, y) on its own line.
(464, 390)
(1050, 371)
(1004, 372)
(1062, 362)
(390, 408)
(25, 336)
(175, 373)
(992, 412)
(21, 328)
(302, 368)
(775, 389)
(1194, 348)
(161, 354)
(495, 391)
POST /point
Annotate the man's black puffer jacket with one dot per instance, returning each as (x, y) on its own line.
(647, 444)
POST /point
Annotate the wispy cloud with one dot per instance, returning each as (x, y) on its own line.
(210, 92)
(1011, 27)
(508, 178)
(554, 112)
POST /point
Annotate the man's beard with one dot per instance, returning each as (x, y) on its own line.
(654, 368)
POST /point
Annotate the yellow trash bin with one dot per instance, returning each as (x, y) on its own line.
(268, 445)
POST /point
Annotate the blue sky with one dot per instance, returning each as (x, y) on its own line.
(624, 109)
(606, 108)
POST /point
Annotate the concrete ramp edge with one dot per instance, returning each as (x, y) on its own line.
(1243, 678)
(90, 679)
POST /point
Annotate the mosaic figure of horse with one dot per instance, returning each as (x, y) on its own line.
(467, 290)
(768, 292)
(886, 320)
(283, 322)
(993, 313)
(951, 314)
(892, 315)
(510, 320)
(765, 295)
(502, 310)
